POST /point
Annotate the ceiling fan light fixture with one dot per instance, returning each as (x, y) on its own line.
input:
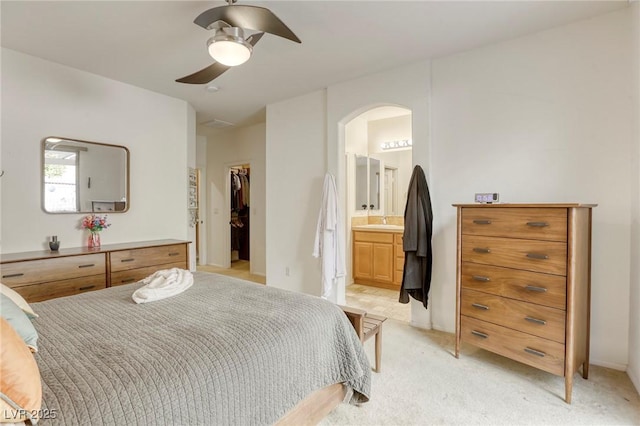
(229, 47)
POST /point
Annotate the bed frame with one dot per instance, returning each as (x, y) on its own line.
(315, 407)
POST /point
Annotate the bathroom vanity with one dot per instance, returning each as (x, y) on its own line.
(378, 258)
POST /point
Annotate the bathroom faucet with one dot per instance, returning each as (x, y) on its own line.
(384, 220)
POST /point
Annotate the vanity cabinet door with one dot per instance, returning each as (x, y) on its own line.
(362, 260)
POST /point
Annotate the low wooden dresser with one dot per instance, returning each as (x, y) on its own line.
(42, 275)
(524, 284)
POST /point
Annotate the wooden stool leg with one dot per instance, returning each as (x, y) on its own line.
(378, 349)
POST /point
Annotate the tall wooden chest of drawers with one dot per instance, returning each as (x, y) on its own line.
(523, 284)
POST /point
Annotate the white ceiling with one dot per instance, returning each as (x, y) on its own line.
(151, 43)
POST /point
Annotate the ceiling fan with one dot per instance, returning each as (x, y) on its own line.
(228, 46)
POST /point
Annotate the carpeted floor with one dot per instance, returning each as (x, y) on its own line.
(422, 383)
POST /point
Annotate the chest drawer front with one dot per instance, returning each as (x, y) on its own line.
(50, 290)
(531, 350)
(373, 237)
(533, 287)
(538, 320)
(531, 255)
(140, 258)
(548, 224)
(44, 270)
(133, 275)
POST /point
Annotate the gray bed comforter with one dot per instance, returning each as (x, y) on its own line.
(223, 352)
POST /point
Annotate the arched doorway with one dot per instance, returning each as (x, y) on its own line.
(378, 166)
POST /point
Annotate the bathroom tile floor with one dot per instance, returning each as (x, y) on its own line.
(380, 301)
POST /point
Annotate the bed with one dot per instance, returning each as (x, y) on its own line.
(225, 351)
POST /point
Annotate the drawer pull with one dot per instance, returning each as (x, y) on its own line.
(174, 254)
(479, 306)
(536, 289)
(89, 265)
(536, 320)
(481, 278)
(537, 256)
(127, 280)
(479, 334)
(481, 250)
(534, 352)
(482, 221)
(86, 288)
(538, 224)
(13, 275)
(131, 259)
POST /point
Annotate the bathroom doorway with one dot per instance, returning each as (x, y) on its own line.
(378, 158)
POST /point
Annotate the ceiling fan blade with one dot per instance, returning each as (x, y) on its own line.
(205, 75)
(249, 17)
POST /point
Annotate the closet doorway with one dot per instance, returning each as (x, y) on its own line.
(240, 218)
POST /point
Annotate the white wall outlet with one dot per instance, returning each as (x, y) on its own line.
(487, 197)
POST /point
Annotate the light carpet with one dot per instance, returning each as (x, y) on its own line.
(422, 383)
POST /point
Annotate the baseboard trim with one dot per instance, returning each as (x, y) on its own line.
(420, 325)
(635, 379)
(606, 364)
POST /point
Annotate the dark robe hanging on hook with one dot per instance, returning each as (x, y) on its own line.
(416, 240)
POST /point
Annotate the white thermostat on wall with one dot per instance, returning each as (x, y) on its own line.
(487, 197)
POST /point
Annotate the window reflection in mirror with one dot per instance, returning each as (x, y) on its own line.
(83, 177)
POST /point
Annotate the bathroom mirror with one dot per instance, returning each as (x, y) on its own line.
(374, 184)
(367, 174)
(84, 177)
(362, 183)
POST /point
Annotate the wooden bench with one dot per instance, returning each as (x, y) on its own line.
(367, 325)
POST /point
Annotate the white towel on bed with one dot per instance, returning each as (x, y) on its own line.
(163, 284)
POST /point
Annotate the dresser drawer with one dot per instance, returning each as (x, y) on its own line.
(538, 320)
(140, 258)
(45, 270)
(373, 237)
(534, 287)
(535, 351)
(531, 255)
(50, 290)
(548, 224)
(133, 275)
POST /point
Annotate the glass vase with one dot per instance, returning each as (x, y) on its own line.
(94, 240)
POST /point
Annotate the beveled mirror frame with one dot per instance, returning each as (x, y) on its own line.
(79, 144)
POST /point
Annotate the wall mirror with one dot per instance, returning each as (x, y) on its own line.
(84, 177)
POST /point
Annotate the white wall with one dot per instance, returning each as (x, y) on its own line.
(296, 164)
(543, 118)
(634, 296)
(41, 98)
(230, 148)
